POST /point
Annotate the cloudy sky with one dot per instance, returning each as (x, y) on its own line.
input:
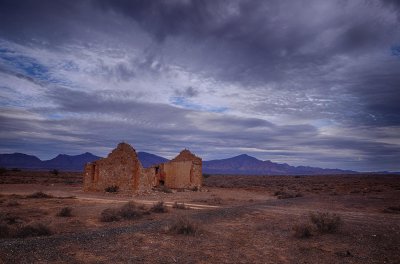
(305, 82)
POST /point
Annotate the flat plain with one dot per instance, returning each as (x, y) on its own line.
(232, 219)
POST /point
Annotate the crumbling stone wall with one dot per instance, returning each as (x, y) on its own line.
(184, 171)
(122, 168)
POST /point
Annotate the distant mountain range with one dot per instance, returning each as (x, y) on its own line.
(242, 164)
(245, 164)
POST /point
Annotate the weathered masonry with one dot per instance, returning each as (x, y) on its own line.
(123, 169)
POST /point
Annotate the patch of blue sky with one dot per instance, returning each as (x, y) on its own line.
(395, 50)
(25, 65)
(28, 66)
(184, 103)
(320, 123)
(70, 66)
(11, 99)
(55, 116)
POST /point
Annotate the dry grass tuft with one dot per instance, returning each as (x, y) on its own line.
(4, 231)
(159, 208)
(112, 189)
(39, 195)
(184, 226)
(326, 222)
(302, 231)
(180, 206)
(32, 230)
(13, 203)
(128, 211)
(110, 215)
(392, 210)
(131, 210)
(65, 212)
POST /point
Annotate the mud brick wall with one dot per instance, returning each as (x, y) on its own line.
(184, 171)
(121, 168)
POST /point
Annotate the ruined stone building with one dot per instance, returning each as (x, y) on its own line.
(123, 169)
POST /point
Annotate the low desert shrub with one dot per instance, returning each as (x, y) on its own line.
(286, 195)
(165, 189)
(179, 206)
(2, 170)
(65, 212)
(302, 230)
(131, 211)
(392, 210)
(112, 189)
(159, 208)
(195, 189)
(11, 219)
(13, 203)
(326, 222)
(4, 230)
(184, 226)
(110, 215)
(205, 175)
(32, 230)
(128, 211)
(54, 172)
(39, 195)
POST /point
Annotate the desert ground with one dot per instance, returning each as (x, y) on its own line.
(47, 218)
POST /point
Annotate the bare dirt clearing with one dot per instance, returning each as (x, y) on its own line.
(238, 219)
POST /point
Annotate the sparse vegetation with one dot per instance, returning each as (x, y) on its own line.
(39, 195)
(54, 172)
(131, 211)
(286, 195)
(326, 222)
(13, 203)
(10, 219)
(165, 189)
(205, 175)
(128, 211)
(179, 206)
(32, 230)
(392, 210)
(65, 212)
(195, 189)
(110, 215)
(112, 189)
(159, 208)
(2, 170)
(4, 230)
(302, 230)
(184, 226)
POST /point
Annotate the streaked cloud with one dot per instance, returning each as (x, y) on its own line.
(307, 84)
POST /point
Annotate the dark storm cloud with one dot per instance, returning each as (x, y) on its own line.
(24, 20)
